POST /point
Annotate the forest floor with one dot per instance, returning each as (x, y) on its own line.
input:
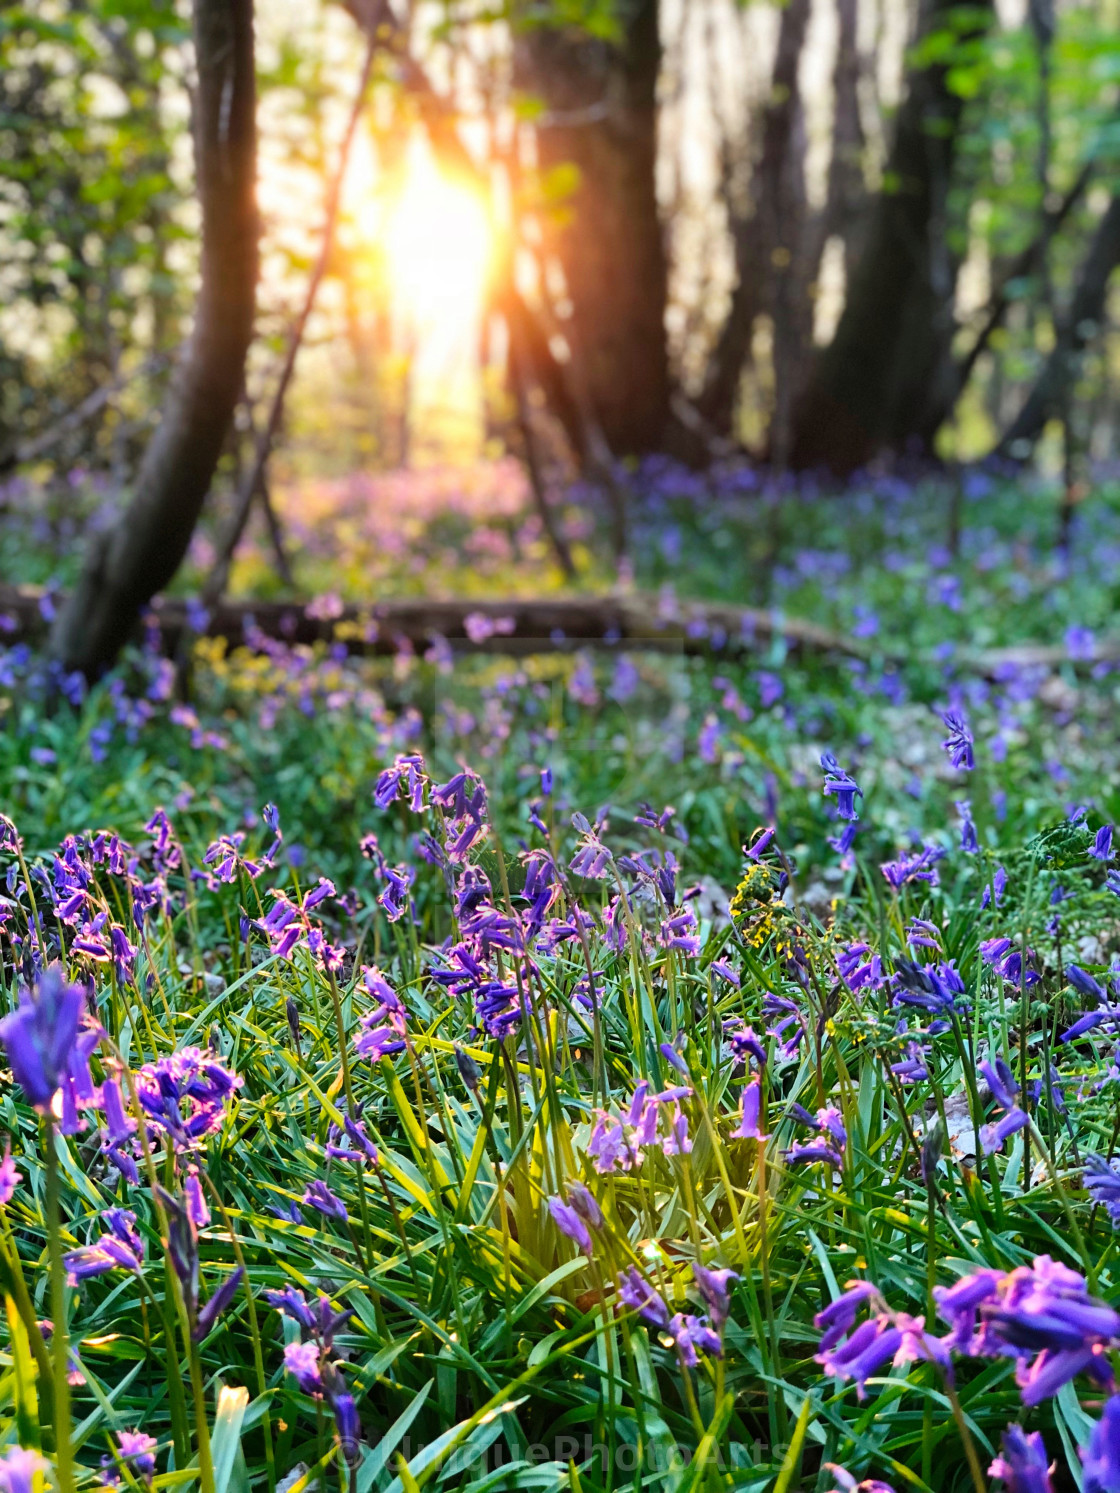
(783, 1063)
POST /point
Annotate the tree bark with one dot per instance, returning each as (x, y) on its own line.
(135, 559)
(847, 193)
(762, 235)
(601, 117)
(779, 241)
(1050, 395)
(879, 381)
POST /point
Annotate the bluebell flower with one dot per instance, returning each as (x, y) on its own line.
(639, 1296)
(322, 1320)
(969, 843)
(1102, 1183)
(932, 988)
(843, 842)
(674, 1059)
(1022, 1464)
(760, 844)
(405, 779)
(1101, 848)
(302, 1361)
(958, 743)
(138, 1451)
(345, 1411)
(921, 934)
(1001, 1082)
(322, 1199)
(743, 1042)
(909, 869)
(880, 1341)
(842, 784)
(688, 1334)
(569, 1222)
(721, 968)
(182, 1250)
(846, 1483)
(1080, 643)
(840, 1315)
(186, 1095)
(998, 885)
(583, 1201)
(1100, 1460)
(122, 1248)
(913, 1067)
(1085, 985)
(749, 1122)
(19, 1468)
(41, 1034)
(859, 966)
(715, 1287)
(1040, 1314)
(9, 1176)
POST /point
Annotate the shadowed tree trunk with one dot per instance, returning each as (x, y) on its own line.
(876, 384)
(1049, 399)
(760, 234)
(847, 193)
(779, 241)
(601, 117)
(131, 562)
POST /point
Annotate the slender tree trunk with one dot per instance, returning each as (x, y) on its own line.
(847, 194)
(876, 383)
(135, 559)
(763, 235)
(779, 241)
(601, 117)
(1049, 399)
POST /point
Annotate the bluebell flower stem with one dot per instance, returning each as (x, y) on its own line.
(967, 1442)
(254, 1327)
(202, 1424)
(60, 1336)
(1066, 1205)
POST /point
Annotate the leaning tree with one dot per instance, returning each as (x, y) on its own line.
(134, 559)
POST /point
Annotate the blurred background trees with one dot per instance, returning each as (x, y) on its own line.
(827, 233)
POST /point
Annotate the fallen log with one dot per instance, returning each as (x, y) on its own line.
(523, 625)
(516, 625)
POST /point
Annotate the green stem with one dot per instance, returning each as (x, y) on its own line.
(198, 1390)
(60, 1336)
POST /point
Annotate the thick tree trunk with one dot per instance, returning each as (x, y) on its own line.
(135, 559)
(601, 117)
(879, 381)
(1050, 396)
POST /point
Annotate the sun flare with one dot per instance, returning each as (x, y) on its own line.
(439, 245)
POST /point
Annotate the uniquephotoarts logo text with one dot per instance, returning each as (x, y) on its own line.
(653, 1455)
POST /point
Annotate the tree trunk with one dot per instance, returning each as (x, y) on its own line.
(601, 117)
(762, 234)
(847, 193)
(779, 241)
(135, 559)
(877, 383)
(1050, 396)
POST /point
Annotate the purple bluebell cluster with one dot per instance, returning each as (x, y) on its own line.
(1041, 1316)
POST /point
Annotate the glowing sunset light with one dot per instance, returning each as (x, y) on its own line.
(439, 243)
(434, 240)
